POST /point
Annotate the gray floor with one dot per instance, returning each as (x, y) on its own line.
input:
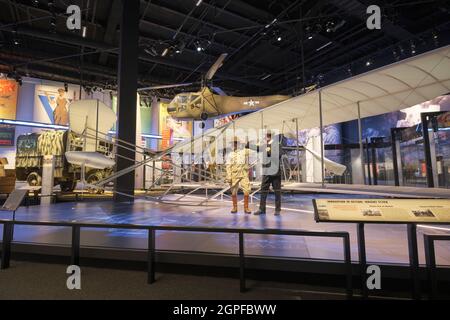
(31, 281)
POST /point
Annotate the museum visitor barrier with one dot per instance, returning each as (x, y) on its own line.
(76, 226)
(387, 211)
(430, 258)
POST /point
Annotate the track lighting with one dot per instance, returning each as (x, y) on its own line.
(330, 26)
(199, 47)
(165, 52)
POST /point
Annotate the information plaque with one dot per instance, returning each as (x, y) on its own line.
(382, 210)
(14, 200)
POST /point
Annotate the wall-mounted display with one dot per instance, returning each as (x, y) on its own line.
(8, 99)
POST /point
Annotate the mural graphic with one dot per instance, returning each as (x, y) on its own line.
(380, 126)
(52, 104)
(180, 129)
(8, 99)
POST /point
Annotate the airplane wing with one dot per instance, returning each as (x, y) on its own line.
(337, 168)
(391, 88)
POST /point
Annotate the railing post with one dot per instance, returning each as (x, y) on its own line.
(151, 257)
(414, 260)
(242, 262)
(75, 257)
(362, 259)
(6, 245)
(348, 265)
(430, 257)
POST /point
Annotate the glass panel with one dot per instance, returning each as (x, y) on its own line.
(443, 157)
(413, 163)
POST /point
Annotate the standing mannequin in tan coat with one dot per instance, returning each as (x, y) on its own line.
(238, 167)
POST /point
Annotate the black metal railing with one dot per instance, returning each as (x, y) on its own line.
(430, 258)
(8, 227)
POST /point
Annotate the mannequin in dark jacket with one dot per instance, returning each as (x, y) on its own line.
(272, 152)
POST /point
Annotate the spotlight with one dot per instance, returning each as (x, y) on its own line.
(413, 48)
(16, 42)
(368, 63)
(36, 3)
(199, 46)
(330, 26)
(199, 2)
(279, 38)
(435, 39)
(53, 24)
(395, 54)
(165, 52)
(349, 70)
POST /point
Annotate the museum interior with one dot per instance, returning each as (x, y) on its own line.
(217, 149)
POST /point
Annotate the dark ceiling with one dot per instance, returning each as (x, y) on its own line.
(270, 49)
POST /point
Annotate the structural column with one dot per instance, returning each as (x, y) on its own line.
(361, 144)
(322, 144)
(127, 96)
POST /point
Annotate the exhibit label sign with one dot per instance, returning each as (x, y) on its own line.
(382, 210)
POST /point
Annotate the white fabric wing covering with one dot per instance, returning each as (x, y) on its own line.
(337, 168)
(83, 114)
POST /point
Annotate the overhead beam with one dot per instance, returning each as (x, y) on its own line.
(357, 9)
(101, 46)
(111, 28)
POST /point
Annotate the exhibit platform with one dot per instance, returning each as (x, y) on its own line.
(344, 189)
(386, 244)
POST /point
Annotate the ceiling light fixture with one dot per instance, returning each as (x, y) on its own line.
(165, 52)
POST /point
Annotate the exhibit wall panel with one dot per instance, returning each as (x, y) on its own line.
(24, 111)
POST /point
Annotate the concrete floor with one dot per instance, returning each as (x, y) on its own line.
(35, 281)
